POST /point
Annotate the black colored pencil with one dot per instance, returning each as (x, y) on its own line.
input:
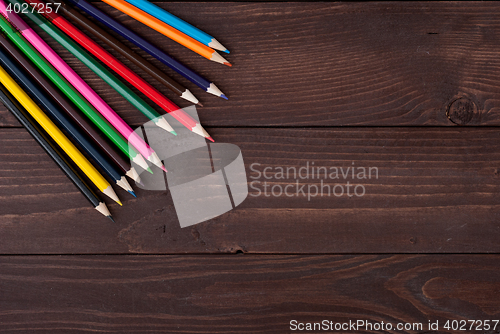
(52, 150)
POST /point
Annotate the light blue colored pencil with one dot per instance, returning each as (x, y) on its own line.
(178, 24)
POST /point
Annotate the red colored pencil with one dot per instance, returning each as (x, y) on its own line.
(124, 71)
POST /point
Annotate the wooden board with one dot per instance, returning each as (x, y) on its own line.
(436, 192)
(340, 85)
(333, 64)
(243, 294)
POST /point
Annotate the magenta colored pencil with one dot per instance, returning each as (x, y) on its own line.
(56, 61)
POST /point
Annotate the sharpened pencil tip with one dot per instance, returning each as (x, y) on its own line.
(111, 219)
(211, 139)
(119, 203)
(132, 193)
(199, 104)
(224, 97)
(228, 64)
(164, 169)
(173, 132)
(226, 51)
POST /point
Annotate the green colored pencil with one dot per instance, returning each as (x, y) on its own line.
(71, 93)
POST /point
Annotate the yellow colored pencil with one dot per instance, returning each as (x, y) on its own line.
(56, 134)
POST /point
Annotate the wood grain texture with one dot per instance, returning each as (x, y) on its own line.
(301, 71)
(241, 294)
(332, 64)
(436, 191)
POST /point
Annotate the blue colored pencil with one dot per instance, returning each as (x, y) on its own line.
(189, 74)
(178, 24)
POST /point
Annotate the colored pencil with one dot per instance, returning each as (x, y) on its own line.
(52, 150)
(105, 110)
(72, 94)
(167, 30)
(140, 42)
(125, 51)
(67, 107)
(178, 24)
(64, 123)
(61, 23)
(119, 68)
(56, 134)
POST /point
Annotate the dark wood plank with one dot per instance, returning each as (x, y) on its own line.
(300, 64)
(436, 192)
(242, 294)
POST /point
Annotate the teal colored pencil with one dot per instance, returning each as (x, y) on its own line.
(178, 24)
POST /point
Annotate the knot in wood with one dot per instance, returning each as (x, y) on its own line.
(461, 111)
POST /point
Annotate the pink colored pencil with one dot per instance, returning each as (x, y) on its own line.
(56, 61)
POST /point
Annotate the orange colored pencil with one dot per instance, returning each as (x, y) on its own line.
(167, 30)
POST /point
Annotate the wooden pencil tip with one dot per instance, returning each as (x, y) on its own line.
(111, 219)
(228, 64)
(211, 139)
(224, 97)
(164, 169)
(199, 104)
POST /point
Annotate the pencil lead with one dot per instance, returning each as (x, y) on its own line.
(162, 123)
(199, 130)
(149, 170)
(210, 138)
(224, 97)
(102, 208)
(119, 203)
(228, 63)
(173, 132)
(187, 95)
(132, 173)
(140, 183)
(111, 194)
(124, 184)
(199, 104)
(215, 44)
(164, 169)
(139, 160)
(111, 219)
(156, 161)
(133, 193)
(212, 89)
(219, 59)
